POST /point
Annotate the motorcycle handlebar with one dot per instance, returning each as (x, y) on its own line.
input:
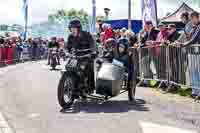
(89, 56)
(84, 50)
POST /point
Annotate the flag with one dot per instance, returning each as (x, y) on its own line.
(149, 11)
(93, 24)
(25, 13)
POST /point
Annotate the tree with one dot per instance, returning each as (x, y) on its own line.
(4, 27)
(51, 18)
(63, 15)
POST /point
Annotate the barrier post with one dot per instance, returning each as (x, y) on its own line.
(168, 68)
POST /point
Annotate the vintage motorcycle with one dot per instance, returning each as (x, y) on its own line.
(111, 80)
(53, 59)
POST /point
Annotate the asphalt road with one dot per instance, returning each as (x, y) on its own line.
(29, 103)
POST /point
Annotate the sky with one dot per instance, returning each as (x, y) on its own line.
(11, 10)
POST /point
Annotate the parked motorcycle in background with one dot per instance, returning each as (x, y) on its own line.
(53, 58)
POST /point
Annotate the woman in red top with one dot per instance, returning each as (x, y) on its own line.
(108, 33)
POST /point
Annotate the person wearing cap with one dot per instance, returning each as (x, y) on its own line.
(173, 52)
(173, 34)
(163, 34)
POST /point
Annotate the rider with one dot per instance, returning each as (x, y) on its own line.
(53, 44)
(80, 40)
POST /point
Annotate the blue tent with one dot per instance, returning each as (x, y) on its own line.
(118, 24)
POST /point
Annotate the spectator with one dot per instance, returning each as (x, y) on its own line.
(151, 33)
(117, 34)
(185, 18)
(195, 34)
(19, 48)
(163, 34)
(131, 37)
(194, 54)
(123, 32)
(108, 33)
(141, 37)
(173, 34)
(99, 26)
(2, 41)
(173, 53)
(35, 46)
(186, 35)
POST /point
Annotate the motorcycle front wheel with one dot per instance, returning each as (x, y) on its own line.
(65, 90)
(54, 63)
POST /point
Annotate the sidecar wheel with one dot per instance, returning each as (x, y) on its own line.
(131, 92)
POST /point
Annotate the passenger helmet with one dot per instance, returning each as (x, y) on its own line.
(123, 42)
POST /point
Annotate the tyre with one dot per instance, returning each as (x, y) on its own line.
(131, 91)
(54, 63)
(65, 90)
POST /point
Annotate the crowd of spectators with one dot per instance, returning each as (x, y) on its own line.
(15, 49)
(152, 36)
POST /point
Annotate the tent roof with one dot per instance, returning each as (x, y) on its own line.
(175, 17)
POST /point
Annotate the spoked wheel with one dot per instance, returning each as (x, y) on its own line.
(131, 91)
(54, 63)
(65, 91)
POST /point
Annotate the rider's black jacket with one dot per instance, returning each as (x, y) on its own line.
(84, 41)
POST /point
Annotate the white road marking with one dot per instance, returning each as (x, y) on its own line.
(4, 127)
(6, 69)
(148, 127)
(34, 115)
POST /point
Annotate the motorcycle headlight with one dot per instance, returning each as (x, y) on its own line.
(82, 67)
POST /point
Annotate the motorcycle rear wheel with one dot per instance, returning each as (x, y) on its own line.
(65, 90)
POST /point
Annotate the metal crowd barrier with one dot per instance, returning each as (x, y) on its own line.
(170, 65)
(13, 55)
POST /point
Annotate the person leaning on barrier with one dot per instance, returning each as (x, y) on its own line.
(195, 34)
(150, 33)
(186, 35)
(173, 34)
(185, 18)
(194, 54)
(131, 37)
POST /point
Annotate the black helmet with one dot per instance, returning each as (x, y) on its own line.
(75, 24)
(123, 42)
(54, 38)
